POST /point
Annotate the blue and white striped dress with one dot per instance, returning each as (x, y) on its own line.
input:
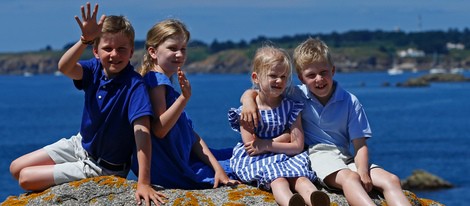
(263, 169)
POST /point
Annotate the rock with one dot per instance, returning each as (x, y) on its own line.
(422, 180)
(425, 80)
(111, 190)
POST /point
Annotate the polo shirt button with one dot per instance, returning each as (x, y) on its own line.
(104, 87)
(99, 97)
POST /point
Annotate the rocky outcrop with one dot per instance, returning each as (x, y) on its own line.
(423, 180)
(426, 79)
(230, 61)
(110, 190)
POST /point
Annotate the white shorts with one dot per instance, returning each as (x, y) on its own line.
(73, 162)
(327, 159)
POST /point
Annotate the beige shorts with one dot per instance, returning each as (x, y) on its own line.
(327, 159)
(72, 161)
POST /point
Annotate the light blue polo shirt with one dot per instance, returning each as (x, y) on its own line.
(340, 121)
(111, 106)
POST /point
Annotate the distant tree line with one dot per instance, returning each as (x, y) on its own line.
(388, 41)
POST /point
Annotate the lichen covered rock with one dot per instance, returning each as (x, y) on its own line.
(111, 190)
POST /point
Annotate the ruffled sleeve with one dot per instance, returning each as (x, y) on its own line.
(297, 107)
(234, 118)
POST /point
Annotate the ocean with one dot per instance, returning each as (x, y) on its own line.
(424, 128)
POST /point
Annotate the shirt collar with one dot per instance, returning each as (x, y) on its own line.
(335, 97)
(120, 78)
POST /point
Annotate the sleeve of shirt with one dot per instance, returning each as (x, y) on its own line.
(139, 104)
(358, 123)
(88, 67)
(234, 118)
(297, 107)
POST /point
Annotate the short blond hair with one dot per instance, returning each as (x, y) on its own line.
(310, 51)
(117, 24)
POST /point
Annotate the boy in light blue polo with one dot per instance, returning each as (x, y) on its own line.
(332, 119)
(116, 114)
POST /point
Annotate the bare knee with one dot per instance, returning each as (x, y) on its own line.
(15, 169)
(393, 182)
(343, 178)
(25, 180)
(36, 179)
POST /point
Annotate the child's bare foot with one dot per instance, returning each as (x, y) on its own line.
(319, 198)
(296, 200)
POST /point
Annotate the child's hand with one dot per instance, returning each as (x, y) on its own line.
(255, 147)
(366, 181)
(147, 193)
(221, 177)
(184, 84)
(89, 27)
(249, 115)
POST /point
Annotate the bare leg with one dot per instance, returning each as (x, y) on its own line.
(350, 182)
(390, 186)
(281, 191)
(34, 171)
(304, 187)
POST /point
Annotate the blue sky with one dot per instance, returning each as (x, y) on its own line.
(30, 25)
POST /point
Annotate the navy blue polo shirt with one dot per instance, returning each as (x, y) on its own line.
(111, 106)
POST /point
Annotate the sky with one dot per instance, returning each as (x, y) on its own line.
(31, 25)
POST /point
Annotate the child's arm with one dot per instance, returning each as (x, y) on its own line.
(362, 162)
(250, 114)
(292, 147)
(68, 63)
(203, 152)
(144, 154)
(166, 118)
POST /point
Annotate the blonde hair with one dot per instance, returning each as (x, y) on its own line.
(268, 57)
(309, 51)
(157, 35)
(115, 24)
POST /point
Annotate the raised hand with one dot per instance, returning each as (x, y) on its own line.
(89, 27)
(184, 84)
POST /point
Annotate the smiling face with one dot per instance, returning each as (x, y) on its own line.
(114, 51)
(318, 77)
(169, 55)
(272, 83)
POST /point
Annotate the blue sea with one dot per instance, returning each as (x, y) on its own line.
(413, 128)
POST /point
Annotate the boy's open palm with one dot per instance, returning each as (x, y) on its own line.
(89, 27)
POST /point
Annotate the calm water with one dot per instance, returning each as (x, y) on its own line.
(413, 128)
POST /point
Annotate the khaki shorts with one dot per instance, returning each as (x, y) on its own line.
(327, 159)
(73, 162)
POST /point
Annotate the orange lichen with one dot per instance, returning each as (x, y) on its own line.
(192, 199)
(78, 183)
(239, 194)
(111, 181)
(23, 199)
(14, 201)
(49, 197)
(428, 202)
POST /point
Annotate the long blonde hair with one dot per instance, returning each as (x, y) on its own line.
(157, 35)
